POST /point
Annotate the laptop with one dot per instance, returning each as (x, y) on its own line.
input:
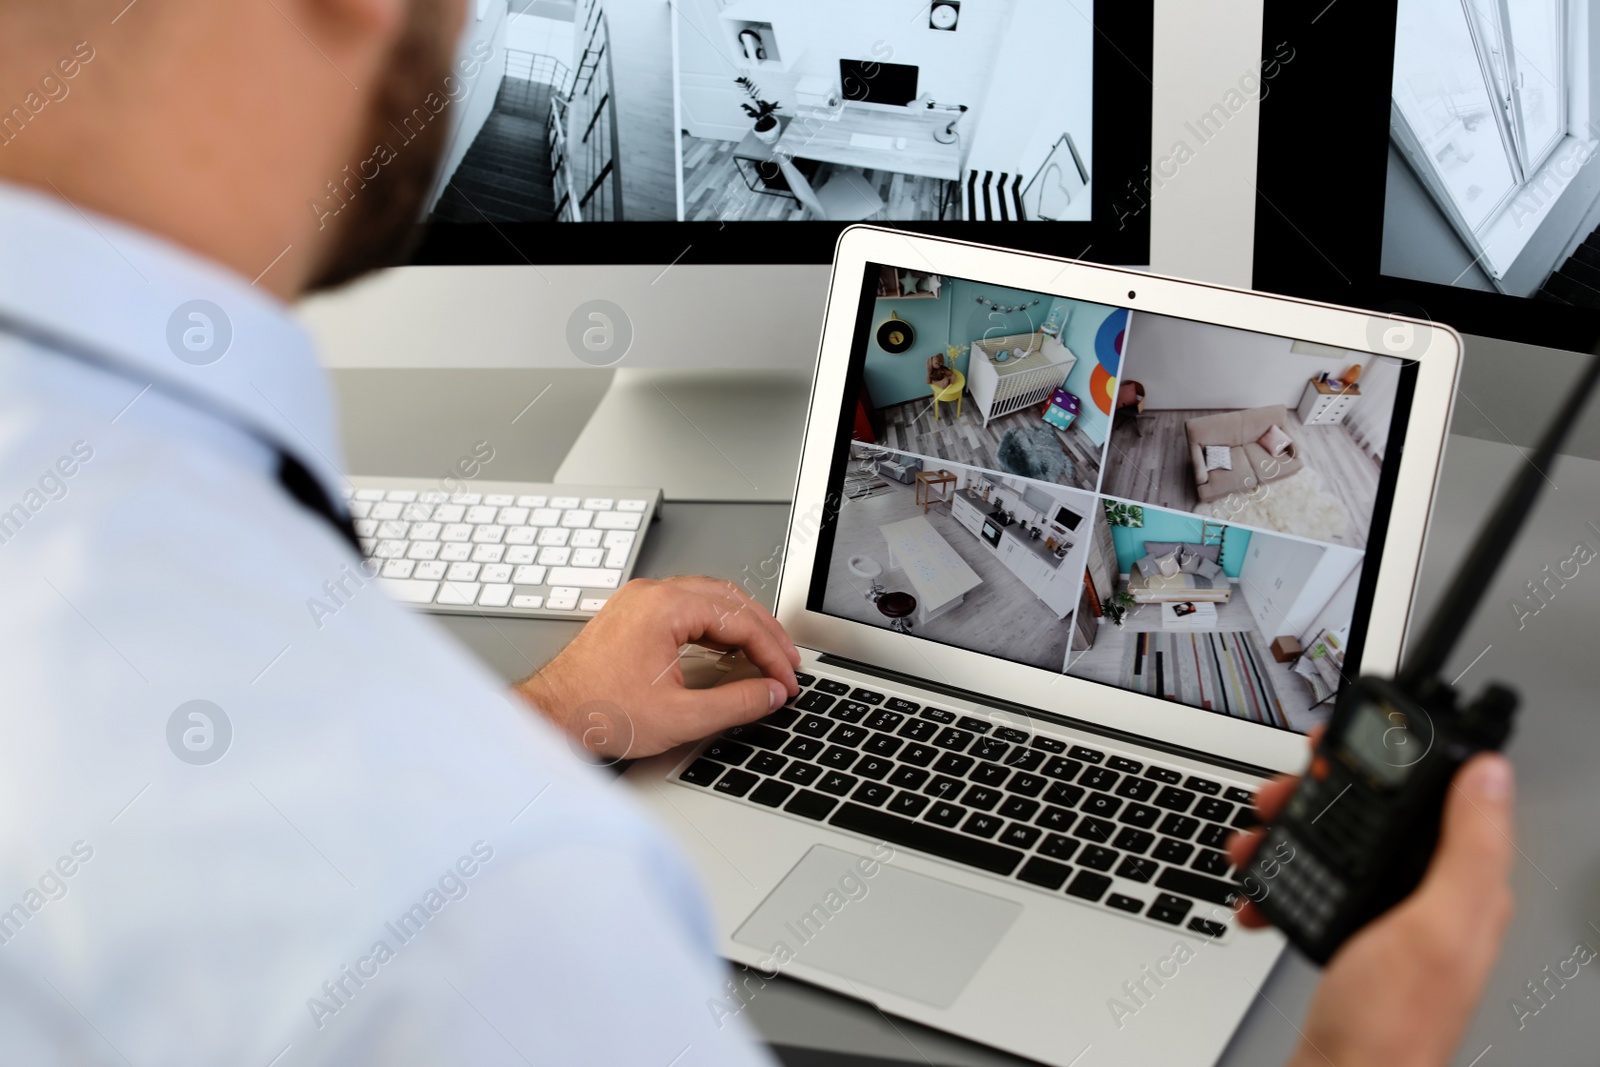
(1066, 596)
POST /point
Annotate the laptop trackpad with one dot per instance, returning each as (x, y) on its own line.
(867, 921)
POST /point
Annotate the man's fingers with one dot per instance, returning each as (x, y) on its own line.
(1242, 846)
(724, 588)
(724, 621)
(1467, 881)
(1271, 798)
(701, 712)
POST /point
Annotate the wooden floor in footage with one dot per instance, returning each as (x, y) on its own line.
(1001, 617)
(714, 190)
(1156, 469)
(910, 427)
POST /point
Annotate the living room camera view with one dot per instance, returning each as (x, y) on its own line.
(1165, 506)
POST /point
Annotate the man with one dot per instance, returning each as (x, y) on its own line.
(236, 831)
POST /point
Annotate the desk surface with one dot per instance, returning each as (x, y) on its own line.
(1556, 877)
(813, 134)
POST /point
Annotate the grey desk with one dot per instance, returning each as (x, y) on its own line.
(427, 418)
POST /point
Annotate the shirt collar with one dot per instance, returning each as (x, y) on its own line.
(123, 298)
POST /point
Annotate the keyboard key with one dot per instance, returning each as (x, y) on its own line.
(1163, 774)
(1088, 755)
(585, 577)
(766, 763)
(832, 685)
(1134, 840)
(943, 813)
(1213, 809)
(1057, 847)
(1174, 799)
(953, 739)
(981, 797)
(1170, 851)
(399, 568)
(1063, 794)
(883, 745)
(758, 734)
(423, 550)
(527, 600)
(1056, 819)
(1207, 927)
(1062, 768)
(944, 788)
(836, 782)
(1211, 890)
(883, 720)
(1203, 785)
(729, 752)
(1048, 744)
(463, 572)
(495, 596)
(1133, 905)
(805, 680)
(985, 855)
(1020, 835)
(598, 503)
(1100, 804)
(783, 718)
(801, 773)
(1211, 861)
(849, 711)
(1014, 736)
(811, 805)
(631, 505)
(1137, 869)
(1135, 788)
(1089, 885)
(564, 502)
(989, 774)
(938, 715)
(1024, 759)
(950, 763)
(545, 517)
(456, 552)
(903, 706)
(1246, 819)
(918, 755)
(918, 729)
(488, 553)
(555, 557)
(874, 767)
(578, 519)
(908, 804)
(1239, 796)
(528, 575)
(1214, 836)
(1019, 808)
(1043, 872)
(1124, 764)
(874, 793)
(1181, 826)
(813, 726)
(1141, 815)
(612, 520)
(845, 734)
(1092, 829)
(981, 825)
(1169, 909)
(908, 777)
(458, 593)
(410, 591)
(976, 725)
(989, 748)
(701, 772)
(837, 757)
(1028, 785)
(736, 782)
(866, 696)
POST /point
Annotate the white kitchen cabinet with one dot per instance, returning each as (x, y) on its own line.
(1062, 588)
(967, 514)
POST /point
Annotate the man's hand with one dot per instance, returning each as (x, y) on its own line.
(1401, 991)
(618, 690)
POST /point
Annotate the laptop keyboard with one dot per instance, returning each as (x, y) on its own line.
(1098, 827)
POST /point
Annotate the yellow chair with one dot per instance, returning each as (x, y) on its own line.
(949, 393)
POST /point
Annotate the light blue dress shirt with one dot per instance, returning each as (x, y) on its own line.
(356, 848)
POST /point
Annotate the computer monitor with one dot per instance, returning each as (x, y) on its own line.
(865, 81)
(1450, 173)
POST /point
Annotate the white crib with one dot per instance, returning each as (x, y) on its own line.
(1001, 388)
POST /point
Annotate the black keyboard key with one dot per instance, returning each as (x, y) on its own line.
(981, 797)
(1135, 788)
(1098, 778)
(804, 747)
(814, 701)
(883, 745)
(845, 734)
(873, 767)
(1063, 794)
(1048, 744)
(1007, 733)
(1096, 858)
(1190, 884)
(1134, 840)
(783, 718)
(980, 824)
(1028, 785)
(836, 783)
(903, 706)
(918, 755)
(730, 752)
(1100, 804)
(838, 757)
(1124, 764)
(1239, 796)
(1020, 835)
(1170, 851)
(950, 763)
(1214, 836)
(811, 805)
(874, 793)
(757, 734)
(1088, 755)
(1207, 927)
(938, 715)
(1203, 785)
(1174, 799)
(1024, 759)
(918, 729)
(1141, 815)
(1129, 904)
(1091, 829)
(1208, 862)
(883, 720)
(989, 774)
(944, 788)
(1213, 809)
(989, 748)
(1089, 885)
(976, 725)
(866, 696)
(701, 772)
(1059, 819)
(1181, 826)
(943, 813)
(908, 777)
(806, 680)
(1064, 769)
(1137, 869)
(1042, 872)
(1169, 909)
(851, 711)
(1246, 819)
(801, 773)
(829, 685)
(953, 739)
(813, 726)
(1019, 808)
(1057, 847)
(1163, 774)
(736, 783)
(767, 763)
(771, 793)
(908, 804)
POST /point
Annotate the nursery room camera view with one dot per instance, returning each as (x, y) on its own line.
(999, 379)
(961, 556)
(1218, 617)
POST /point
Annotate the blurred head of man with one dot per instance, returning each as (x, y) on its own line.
(224, 124)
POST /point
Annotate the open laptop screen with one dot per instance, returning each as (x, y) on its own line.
(1167, 506)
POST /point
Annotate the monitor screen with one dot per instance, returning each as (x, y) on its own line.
(1234, 489)
(687, 127)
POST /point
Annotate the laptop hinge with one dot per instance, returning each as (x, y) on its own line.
(1011, 707)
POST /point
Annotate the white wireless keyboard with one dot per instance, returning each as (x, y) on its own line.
(504, 548)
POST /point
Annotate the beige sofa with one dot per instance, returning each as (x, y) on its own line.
(1251, 463)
